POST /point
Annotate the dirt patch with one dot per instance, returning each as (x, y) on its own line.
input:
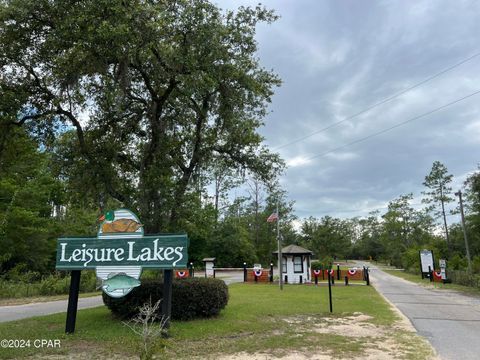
(295, 355)
(83, 356)
(82, 349)
(376, 342)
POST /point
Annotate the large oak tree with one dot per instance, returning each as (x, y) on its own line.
(155, 92)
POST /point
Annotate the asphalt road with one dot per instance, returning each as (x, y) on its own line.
(17, 312)
(449, 320)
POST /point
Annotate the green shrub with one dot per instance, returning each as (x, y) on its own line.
(88, 281)
(476, 264)
(54, 284)
(411, 260)
(463, 278)
(191, 298)
(325, 263)
(457, 262)
(47, 285)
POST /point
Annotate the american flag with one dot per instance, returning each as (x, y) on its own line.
(273, 217)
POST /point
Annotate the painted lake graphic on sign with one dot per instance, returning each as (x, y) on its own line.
(120, 223)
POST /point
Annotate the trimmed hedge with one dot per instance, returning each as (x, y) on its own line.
(191, 298)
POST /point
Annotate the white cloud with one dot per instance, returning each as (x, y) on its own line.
(298, 161)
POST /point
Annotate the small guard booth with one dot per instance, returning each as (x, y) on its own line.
(296, 264)
(209, 266)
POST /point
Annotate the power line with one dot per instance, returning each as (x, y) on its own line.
(341, 211)
(395, 126)
(392, 97)
(363, 210)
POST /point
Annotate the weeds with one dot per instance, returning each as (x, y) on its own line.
(149, 326)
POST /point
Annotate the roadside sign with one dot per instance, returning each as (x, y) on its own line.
(426, 261)
(118, 254)
(157, 252)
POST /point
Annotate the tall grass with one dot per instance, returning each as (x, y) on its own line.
(464, 278)
(48, 285)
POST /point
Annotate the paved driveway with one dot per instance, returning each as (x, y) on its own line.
(449, 320)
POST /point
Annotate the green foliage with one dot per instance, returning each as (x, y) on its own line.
(170, 89)
(27, 191)
(457, 262)
(231, 246)
(368, 242)
(191, 298)
(325, 263)
(327, 237)
(29, 284)
(476, 264)
(411, 259)
(462, 277)
(438, 182)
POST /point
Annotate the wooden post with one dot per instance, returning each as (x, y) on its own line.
(167, 296)
(330, 291)
(72, 301)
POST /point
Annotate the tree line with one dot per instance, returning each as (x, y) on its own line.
(396, 235)
(155, 106)
(143, 105)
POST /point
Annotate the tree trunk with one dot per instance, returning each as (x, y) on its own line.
(444, 219)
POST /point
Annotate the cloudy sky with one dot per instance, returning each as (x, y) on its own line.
(338, 59)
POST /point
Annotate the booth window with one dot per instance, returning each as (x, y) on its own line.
(284, 264)
(297, 264)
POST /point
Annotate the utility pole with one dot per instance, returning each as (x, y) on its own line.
(459, 194)
(279, 243)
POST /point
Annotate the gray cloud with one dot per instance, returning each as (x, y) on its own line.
(337, 58)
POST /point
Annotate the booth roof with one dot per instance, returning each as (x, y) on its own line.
(294, 249)
(208, 259)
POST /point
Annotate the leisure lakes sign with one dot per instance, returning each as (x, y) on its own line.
(120, 251)
(158, 251)
(118, 254)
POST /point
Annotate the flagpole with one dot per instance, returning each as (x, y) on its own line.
(280, 280)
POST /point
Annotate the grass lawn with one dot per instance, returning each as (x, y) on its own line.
(416, 278)
(258, 319)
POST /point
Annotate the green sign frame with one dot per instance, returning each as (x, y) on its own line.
(152, 251)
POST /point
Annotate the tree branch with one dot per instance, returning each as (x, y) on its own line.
(107, 181)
